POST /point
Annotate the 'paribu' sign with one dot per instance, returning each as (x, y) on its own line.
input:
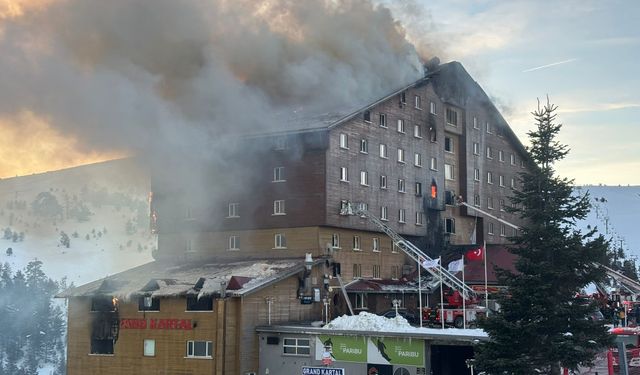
(322, 371)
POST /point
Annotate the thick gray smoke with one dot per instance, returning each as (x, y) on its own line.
(152, 76)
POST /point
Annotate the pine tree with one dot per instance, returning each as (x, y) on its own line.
(542, 324)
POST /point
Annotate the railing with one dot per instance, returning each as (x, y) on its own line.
(439, 273)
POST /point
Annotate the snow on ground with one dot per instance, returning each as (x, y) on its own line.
(87, 259)
(375, 323)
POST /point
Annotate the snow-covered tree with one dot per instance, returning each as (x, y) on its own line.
(542, 325)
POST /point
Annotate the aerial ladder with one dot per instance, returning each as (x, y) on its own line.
(626, 282)
(440, 274)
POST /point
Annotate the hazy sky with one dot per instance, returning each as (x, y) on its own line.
(583, 54)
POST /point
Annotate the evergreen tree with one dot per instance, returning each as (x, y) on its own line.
(542, 324)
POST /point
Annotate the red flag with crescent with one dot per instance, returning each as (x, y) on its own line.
(475, 254)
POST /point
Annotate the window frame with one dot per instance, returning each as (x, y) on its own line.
(433, 108)
(344, 141)
(382, 120)
(344, 174)
(401, 126)
(208, 349)
(356, 243)
(383, 151)
(417, 131)
(383, 182)
(364, 178)
(449, 145)
(402, 186)
(417, 102)
(279, 208)
(297, 346)
(451, 228)
(279, 241)
(375, 244)
(364, 146)
(417, 159)
(384, 213)
(449, 172)
(278, 174)
(146, 353)
(401, 156)
(233, 210)
(233, 242)
(402, 216)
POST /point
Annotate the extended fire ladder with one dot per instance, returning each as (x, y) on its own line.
(439, 273)
(625, 281)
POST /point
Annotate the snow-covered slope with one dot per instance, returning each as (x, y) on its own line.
(112, 238)
(616, 213)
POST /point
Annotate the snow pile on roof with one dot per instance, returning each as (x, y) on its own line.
(376, 323)
(368, 322)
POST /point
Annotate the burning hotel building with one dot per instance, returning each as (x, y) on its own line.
(222, 269)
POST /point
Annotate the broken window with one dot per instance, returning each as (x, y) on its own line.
(367, 116)
(148, 303)
(204, 303)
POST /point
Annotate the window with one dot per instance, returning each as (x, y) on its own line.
(418, 189)
(490, 203)
(475, 123)
(417, 131)
(375, 244)
(148, 303)
(384, 213)
(419, 217)
(278, 174)
(278, 207)
(394, 249)
(489, 178)
(433, 134)
(344, 141)
(364, 178)
(234, 243)
(149, 348)
(356, 243)
(280, 144)
(401, 187)
(488, 126)
(418, 102)
(361, 299)
(400, 155)
(364, 146)
(233, 210)
(503, 230)
(364, 207)
(417, 159)
(490, 231)
(448, 172)
(476, 174)
(395, 272)
(501, 203)
(402, 215)
(513, 183)
(501, 180)
(449, 225)
(101, 346)
(344, 174)
(382, 120)
(367, 116)
(401, 125)
(448, 144)
(513, 159)
(489, 152)
(335, 240)
(383, 182)
(476, 200)
(476, 148)
(452, 117)
(188, 246)
(375, 272)
(280, 241)
(199, 349)
(434, 164)
(383, 151)
(296, 346)
(432, 108)
(403, 98)
(204, 303)
(357, 272)
(501, 156)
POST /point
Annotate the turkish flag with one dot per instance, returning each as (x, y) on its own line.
(475, 254)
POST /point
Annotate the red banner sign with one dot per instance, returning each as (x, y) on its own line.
(181, 324)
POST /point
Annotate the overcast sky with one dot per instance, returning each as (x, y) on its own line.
(584, 54)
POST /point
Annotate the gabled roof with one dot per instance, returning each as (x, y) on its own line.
(161, 280)
(453, 84)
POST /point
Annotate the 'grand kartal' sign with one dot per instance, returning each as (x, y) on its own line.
(378, 350)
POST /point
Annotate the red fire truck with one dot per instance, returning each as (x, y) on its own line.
(453, 312)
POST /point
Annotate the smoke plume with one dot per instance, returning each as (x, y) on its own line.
(158, 76)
